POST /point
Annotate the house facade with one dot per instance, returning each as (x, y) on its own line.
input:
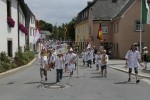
(12, 27)
(120, 25)
(8, 34)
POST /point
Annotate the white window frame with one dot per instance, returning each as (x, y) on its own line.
(104, 29)
(137, 26)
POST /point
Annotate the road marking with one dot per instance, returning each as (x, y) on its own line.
(146, 80)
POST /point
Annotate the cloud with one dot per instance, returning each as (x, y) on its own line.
(56, 11)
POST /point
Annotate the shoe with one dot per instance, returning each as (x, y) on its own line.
(42, 81)
(129, 80)
(105, 75)
(137, 81)
(46, 79)
(57, 83)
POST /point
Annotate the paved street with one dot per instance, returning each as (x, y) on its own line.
(87, 85)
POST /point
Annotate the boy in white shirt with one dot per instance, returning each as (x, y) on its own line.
(59, 63)
(98, 60)
(132, 62)
(104, 63)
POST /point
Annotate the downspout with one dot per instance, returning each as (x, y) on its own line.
(18, 27)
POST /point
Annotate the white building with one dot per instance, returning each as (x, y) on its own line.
(12, 37)
(8, 35)
(32, 31)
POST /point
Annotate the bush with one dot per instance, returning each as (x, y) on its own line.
(23, 58)
(148, 58)
(4, 57)
(20, 59)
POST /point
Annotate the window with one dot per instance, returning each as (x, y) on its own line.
(137, 26)
(30, 32)
(104, 29)
(8, 8)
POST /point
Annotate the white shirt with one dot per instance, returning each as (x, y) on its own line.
(106, 57)
(89, 55)
(132, 58)
(59, 63)
(52, 58)
(83, 56)
(44, 61)
(98, 59)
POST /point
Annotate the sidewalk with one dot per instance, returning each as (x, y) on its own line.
(120, 65)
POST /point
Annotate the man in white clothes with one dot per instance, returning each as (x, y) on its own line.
(132, 62)
(72, 60)
(84, 57)
(66, 56)
(89, 57)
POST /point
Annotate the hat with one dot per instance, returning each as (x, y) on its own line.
(59, 52)
(145, 48)
(70, 49)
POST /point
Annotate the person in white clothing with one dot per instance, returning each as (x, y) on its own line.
(89, 57)
(51, 60)
(145, 57)
(132, 61)
(72, 61)
(44, 63)
(59, 63)
(84, 56)
(104, 63)
(98, 60)
(66, 56)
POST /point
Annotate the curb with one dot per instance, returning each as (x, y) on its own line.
(17, 69)
(123, 70)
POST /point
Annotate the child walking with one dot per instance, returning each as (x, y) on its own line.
(98, 60)
(104, 63)
(44, 63)
(59, 63)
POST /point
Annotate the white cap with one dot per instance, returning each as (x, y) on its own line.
(145, 48)
(70, 49)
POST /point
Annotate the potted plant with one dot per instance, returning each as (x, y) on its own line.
(23, 29)
(10, 22)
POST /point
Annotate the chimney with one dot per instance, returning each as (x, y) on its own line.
(89, 2)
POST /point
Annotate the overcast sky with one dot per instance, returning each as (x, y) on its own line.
(56, 12)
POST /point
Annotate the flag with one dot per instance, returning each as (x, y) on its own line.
(65, 31)
(100, 34)
(145, 12)
(37, 34)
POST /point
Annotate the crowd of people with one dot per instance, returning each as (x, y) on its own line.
(49, 60)
(99, 58)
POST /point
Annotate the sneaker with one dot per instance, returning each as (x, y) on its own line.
(46, 79)
(105, 75)
(42, 81)
(137, 81)
(57, 83)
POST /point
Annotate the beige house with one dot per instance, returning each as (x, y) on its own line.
(120, 25)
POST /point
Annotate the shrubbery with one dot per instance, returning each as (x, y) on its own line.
(20, 59)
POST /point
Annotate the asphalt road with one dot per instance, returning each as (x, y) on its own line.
(87, 85)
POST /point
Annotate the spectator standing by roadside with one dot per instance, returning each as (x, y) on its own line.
(145, 57)
(132, 61)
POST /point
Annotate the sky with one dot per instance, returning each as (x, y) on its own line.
(56, 12)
